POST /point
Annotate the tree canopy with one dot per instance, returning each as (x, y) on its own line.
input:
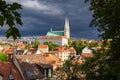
(3, 56)
(106, 18)
(9, 15)
(51, 45)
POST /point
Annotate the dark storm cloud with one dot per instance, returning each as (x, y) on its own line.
(39, 15)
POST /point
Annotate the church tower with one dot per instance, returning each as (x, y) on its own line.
(67, 28)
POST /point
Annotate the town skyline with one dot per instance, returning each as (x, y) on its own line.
(39, 16)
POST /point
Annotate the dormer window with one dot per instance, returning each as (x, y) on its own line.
(11, 77)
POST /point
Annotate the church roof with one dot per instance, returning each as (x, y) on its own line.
(55, 33)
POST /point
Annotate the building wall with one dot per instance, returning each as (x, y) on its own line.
(43, 49)
(66, 55)
(59, 41)
(86, 50)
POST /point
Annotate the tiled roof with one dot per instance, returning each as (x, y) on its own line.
(87, 54)
(45, 65)
(34, 58)
(49, 59)
(52, 37)
(53, 59)
(64, 49)
(42, 46)
(6, 68)
(33, 51)
(5, 47)
(30, 64)
(9, 51)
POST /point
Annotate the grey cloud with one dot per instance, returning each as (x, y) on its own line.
(37, 21)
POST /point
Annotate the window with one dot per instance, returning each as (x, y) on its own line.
(28, 73)
(11, 77)
(36, 73)
(49, 73)
(45, 72)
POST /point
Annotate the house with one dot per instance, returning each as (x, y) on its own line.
(1, 48)
(9, 52)
(65, 53)
(42, 47)
(8, 71)
(86, 52)
(36, 65)
(53, 59)
(59, 40)
(19, 52)
(32, 51)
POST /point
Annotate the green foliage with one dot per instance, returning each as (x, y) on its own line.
(5, 44)
(33, 44)
(3, 57)
(10, 16)
(69, 43)
(36, 43)
(97, 67)
(79, 45)
(51, 45)
(71, 70)
(29, 46)
(106, 18)
(95, 44)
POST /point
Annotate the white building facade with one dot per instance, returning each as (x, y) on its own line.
(60, 40)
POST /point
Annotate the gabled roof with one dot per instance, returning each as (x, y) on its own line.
(42, 46)
(55, 33)
(30, 65)
(6, 68)
(34, 58)
(64, 49)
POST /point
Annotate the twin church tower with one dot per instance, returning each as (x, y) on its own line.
(65, 33)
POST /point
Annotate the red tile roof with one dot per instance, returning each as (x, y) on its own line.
(6, 68)
(42, 46)
(52, 37)
(64, 49)
(34, 58)
(87, 54)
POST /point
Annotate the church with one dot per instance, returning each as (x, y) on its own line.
(58, 37)
(65, 32)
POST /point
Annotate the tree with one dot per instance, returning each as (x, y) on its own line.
(79, 45)
(70, 70)
(36, 43)
(106, 18)
(97, 67)
(3, 56)
(69, 42)
(51, 45)
(10, 16)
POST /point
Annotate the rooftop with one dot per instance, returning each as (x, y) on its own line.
(52, 37)
(7, 68)
(55, 33)
(42, 46)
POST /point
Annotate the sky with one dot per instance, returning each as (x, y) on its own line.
(39, 16)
